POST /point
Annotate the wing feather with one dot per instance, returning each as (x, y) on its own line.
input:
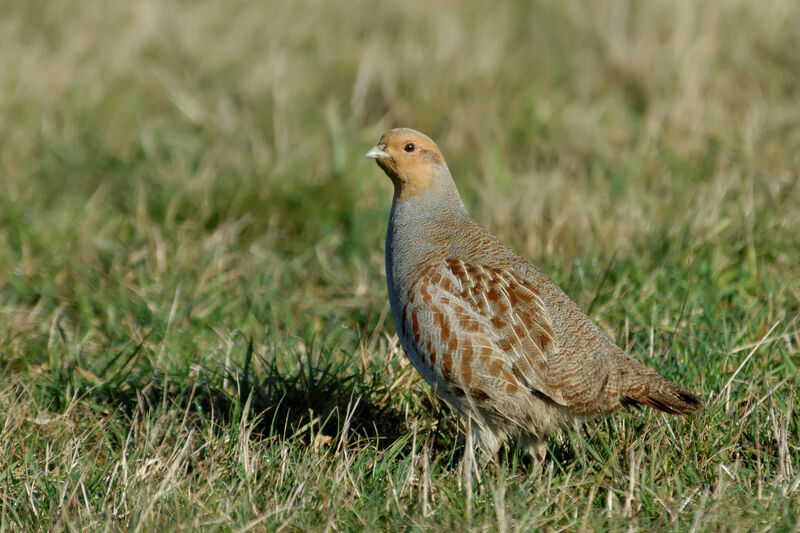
(482, 329)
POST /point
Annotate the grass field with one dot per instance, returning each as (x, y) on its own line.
(193, 318)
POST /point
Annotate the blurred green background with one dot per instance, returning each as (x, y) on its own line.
(183, 197)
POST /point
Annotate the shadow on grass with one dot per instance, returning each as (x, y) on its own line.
(318, 396)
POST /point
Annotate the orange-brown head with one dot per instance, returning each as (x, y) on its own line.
(411, 159)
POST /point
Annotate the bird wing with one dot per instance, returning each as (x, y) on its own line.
(484, 329)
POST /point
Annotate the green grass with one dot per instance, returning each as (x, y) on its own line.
(193, 319)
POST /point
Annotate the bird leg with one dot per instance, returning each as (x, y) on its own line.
(534, 445)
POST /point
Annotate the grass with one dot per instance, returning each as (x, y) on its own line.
(193, 320)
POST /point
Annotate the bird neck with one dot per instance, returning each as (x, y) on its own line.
(434, 197)
(422, 228)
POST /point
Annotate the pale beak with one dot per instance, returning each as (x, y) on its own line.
(376, 152)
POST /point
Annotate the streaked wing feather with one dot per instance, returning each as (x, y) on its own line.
(482, 329)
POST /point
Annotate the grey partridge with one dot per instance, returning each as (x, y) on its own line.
(491, 333)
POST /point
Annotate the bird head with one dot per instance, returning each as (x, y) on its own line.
(412, 161)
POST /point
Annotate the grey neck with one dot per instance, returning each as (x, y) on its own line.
(422, 227)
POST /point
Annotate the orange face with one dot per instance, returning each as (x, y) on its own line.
(409, 158)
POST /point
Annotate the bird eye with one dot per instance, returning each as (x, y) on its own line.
(409, 147)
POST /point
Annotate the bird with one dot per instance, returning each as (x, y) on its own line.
(491, 333)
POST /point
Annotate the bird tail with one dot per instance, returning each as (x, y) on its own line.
(664, 395)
